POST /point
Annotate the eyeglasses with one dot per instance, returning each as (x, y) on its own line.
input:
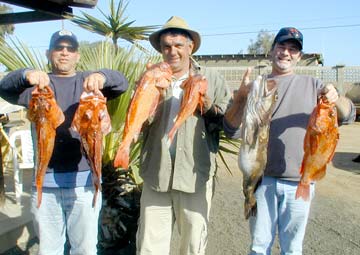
(71, 49)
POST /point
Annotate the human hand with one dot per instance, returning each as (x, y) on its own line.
(245, 86)
(330, 93)
(207, 103)
(37, 78)
(94, 82)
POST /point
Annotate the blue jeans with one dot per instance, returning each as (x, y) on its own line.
(278, 210)
(66, 211)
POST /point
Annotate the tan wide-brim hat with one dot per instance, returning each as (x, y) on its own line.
(179, 23)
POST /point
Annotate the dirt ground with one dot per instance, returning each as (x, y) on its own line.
(334, 225)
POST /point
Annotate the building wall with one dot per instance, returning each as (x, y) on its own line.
(251, 60)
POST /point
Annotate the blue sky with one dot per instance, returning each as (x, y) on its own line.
(330, 27)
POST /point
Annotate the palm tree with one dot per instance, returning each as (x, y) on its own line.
(115, 25)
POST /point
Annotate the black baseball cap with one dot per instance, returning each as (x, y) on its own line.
(63, 35)
(289, 33)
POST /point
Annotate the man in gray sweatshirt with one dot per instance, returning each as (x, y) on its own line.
(277, 208)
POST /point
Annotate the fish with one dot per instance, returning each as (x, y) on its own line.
(92, 122)
(320, 141)
(45, 113)
(193, 89)
(148, 94)
(252, 157)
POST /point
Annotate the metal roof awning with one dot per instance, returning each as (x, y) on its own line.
(43, 10)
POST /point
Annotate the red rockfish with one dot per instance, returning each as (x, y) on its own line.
(92, 122)
(320, 142)
(47, 116)
(194, 88)
(143, 105)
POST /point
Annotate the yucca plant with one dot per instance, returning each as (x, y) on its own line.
(16, 54)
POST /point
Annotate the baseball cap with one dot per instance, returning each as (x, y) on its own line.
(63, 35)
(289, 33)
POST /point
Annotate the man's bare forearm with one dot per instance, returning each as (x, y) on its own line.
(234, 114)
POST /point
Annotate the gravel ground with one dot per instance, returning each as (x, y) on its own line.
(334, 224)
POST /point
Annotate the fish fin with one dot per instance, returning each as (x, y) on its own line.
(105, 121)
(253, 210)
(257, 184)
(201, 105)
(314, 144)
(153, 108)
(203, 86)
(319, 174)
(250, 205)
(332, 153)
(171, 135)
(94, 198)
(250, 132)
(185, 83)
(250, 209)
(39, 196)
(122, 158)
(270, 87)
(169, 140)
(302, 167)
(303, 191)
(162, 84)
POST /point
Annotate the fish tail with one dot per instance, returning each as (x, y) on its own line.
(170, 137)
(122, 157)
(39, 195)
(95, 197)
(303, 191)
(250, 208)
(171, 134)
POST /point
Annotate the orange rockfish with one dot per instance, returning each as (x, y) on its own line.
(255, 125)
(47, 116)
(143, 105)
(320, 142)
(92, 122)
(194, 88)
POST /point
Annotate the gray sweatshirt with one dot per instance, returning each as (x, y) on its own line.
(297, 97)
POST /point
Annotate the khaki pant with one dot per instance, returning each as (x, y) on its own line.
(160, 210)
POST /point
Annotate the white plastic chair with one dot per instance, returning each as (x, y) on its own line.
(26, 161)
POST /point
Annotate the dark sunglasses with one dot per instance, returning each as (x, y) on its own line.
(71, 49)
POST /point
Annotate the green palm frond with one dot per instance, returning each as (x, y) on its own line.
(227, 145)
(16, 54)
(115, 25)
